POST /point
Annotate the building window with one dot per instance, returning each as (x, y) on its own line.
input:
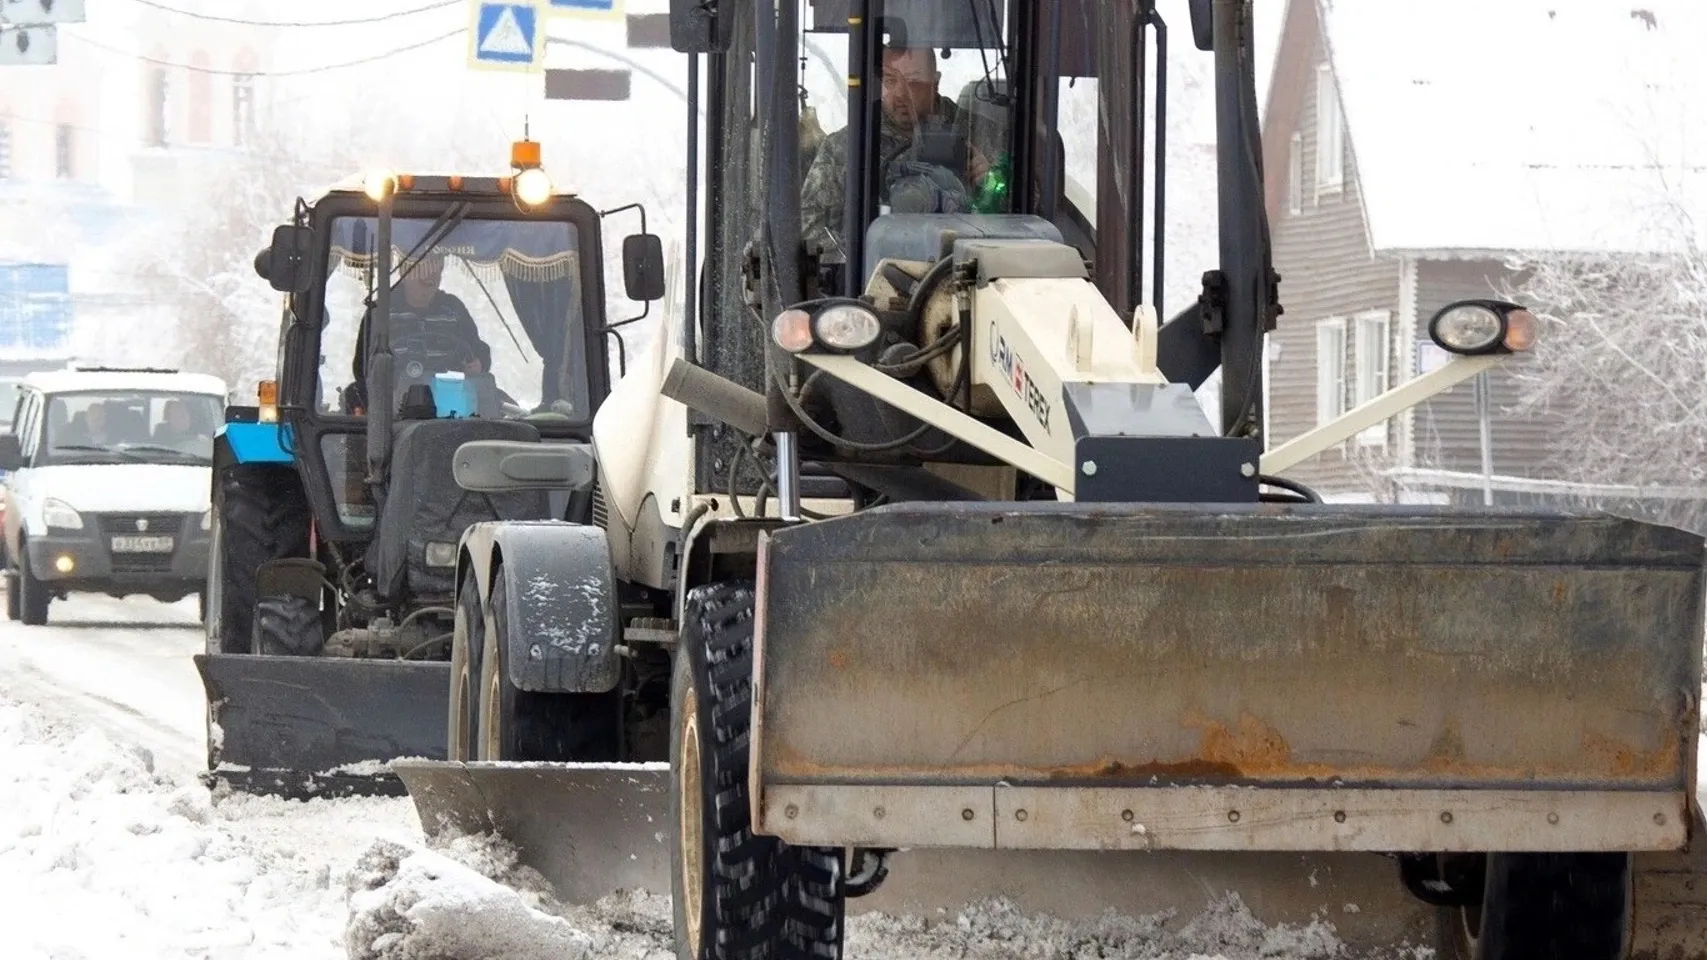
(242, 108)
(65, 151)
(1330, 133)
(158, 96)
(1374, 367)
(1330, 370)
(1295, 175)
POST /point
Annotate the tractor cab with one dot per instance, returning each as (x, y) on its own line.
(422, 312)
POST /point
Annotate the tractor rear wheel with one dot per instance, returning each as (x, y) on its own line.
(1544, 906)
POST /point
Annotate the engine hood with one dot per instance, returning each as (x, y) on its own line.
(127, 487)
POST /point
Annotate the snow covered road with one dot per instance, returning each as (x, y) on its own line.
(110, 848)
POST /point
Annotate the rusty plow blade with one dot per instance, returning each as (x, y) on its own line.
(589, 829)
(1237, 692)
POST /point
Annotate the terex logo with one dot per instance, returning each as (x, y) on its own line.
(1013, 369)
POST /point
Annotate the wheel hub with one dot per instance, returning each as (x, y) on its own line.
(691, 823)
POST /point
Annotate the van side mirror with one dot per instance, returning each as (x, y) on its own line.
(284, 264)
(11, 454)
(643, 267)
(1203, 24)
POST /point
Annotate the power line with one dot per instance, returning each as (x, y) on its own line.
(215, 18)
(459, 32)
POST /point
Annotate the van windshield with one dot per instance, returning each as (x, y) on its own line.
(130, 426)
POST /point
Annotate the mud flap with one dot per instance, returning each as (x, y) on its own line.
(320, 726)
(590, 829)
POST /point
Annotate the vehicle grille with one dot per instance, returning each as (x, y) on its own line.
(124, 524)
(601, 513)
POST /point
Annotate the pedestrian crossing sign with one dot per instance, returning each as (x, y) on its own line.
(506, 35)
(585, 9)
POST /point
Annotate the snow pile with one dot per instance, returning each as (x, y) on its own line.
(470, 901)
(103, 856)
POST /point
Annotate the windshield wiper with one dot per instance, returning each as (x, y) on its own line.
(61, 447)
(158, 448)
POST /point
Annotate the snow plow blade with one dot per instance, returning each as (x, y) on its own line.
(303, 727)
(590, 829)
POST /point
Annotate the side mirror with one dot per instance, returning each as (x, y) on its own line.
(284, 264)
(1202, 24)
(698, 27)
(643, 267)
(11, 454)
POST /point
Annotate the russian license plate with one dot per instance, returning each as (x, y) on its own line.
(142, 544)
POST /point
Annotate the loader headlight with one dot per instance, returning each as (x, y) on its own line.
(847, 326)
(1474, 327)
(842, 325)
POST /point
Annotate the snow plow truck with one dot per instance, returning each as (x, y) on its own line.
(421, 312)
(916, 573)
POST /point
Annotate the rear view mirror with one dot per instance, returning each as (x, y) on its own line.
(284, 264)
(698, 27)
(11, 454)
(1202, 23)
(643, 267)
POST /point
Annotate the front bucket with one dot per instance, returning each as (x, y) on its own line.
(320, 726)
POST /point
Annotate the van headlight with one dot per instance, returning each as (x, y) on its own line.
(59, 514)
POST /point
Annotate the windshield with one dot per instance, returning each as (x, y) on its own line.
(130, 426)
(495, 307)
(8, 400)
(944, 140)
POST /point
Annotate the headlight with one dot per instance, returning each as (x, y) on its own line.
(378, 183)
(1474, 327)
(58, 513)
(207, 520)
(533, 186)
(847, 326)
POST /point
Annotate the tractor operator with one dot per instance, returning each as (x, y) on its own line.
(421, 296)
(909, 97)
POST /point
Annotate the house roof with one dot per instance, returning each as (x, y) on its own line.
(1564, 125)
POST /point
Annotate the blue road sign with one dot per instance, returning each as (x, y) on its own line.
(506, 36)
(585, 9)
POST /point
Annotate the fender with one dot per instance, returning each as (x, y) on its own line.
(561, 592)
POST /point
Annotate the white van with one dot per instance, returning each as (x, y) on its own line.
(108, 486)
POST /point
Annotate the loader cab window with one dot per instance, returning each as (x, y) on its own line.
(493, 306)
(945, 141)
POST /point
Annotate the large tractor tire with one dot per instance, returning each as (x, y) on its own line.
(520, 725)
(736, 895)
(1543, 906)
(263, 515)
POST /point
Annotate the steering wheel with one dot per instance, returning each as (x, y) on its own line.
(418, 354)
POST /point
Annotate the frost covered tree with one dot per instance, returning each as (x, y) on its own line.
(1623, 357)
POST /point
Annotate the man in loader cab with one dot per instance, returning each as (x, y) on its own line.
(418, 293)
(909, 97)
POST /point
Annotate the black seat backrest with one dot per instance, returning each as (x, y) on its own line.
(425, 505)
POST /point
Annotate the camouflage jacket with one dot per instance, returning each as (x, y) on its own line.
(824, 194)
